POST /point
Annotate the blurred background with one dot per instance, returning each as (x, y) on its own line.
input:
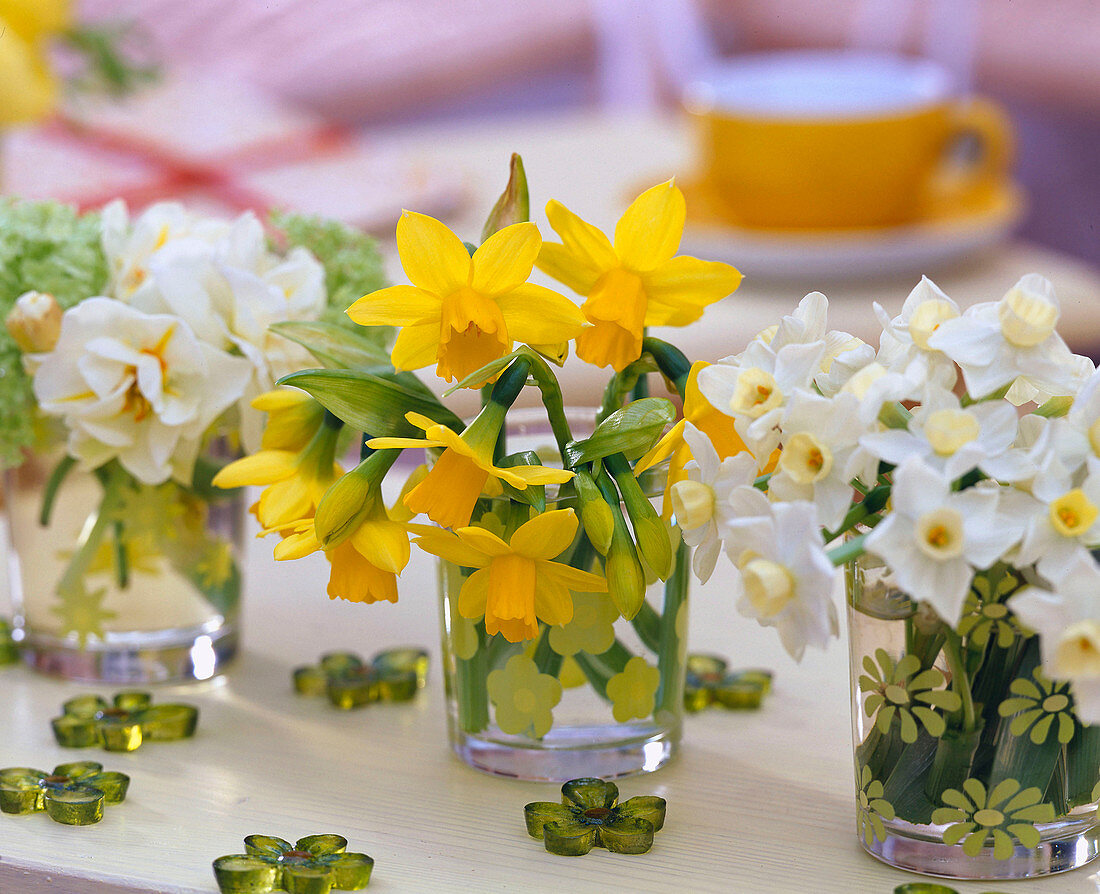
(385, 63)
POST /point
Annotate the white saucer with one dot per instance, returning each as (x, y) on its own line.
(856, 254)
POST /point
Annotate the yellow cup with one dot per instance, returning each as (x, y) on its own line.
(835, 140)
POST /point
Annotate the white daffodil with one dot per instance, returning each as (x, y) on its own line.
(821, 454)
(230, 293)
(875, 386)
(1067, 619)
(935, 539)
(137, 387)
(1077, 435)
(996, 343)
(701, 501)
(904, 347)
(1064, 522)
(954, 439)
(785, 579)
(130, 246)
(754, 386)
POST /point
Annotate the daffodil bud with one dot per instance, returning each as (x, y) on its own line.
(596, 515)
(625, 577)
(343, 508)
(35, 322)
(650, 531)
(514, 204)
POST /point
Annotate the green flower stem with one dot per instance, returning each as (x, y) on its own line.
(470, 673)
(552, 400)
(61, 470)
(960, 680)
(925, 644)
(1083, 764)
(647, 624)
(848, 551)
(118, 546)
(87, 547)
(863, 513)
(546, 659)
(669, 663)
(670, 360)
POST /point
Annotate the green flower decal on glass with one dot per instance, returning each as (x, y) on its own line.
(873, 809)
(523, 697)
(9, 651)
(1039, 704)
(1006, 815)
(983, 620)
(122, 726)
(394, 675)
(591, 629)
(589, 817)
(1096, 792)
(633, 691)
(82, 613)
(316, 864)
(899, 689)
(73, 794)
(708, 682)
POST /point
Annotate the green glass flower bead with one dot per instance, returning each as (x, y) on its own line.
(9, 651)
(315, 864)
(588, 816)
(708, 682)
(122, 726)
(394, 675)
(73, 794)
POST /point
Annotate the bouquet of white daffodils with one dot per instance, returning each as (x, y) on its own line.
(134, 349)
(980, 495)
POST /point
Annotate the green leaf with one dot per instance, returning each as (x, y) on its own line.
(336, 346)
(489, 371)
(632, 431)
(369, 403)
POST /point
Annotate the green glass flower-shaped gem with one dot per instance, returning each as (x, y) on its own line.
(9, 651)
(709, 682)
(73, 794)
(588, 817)
(122, 726)
(394, 675)
(316, 864)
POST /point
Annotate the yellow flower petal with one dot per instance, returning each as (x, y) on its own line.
(297, 545)
(416, 346)
(505, 259)
(449, 548)
(617, 309)
(649, 231)
(354, 579)
(553, 604)
(383, 543)
(448, 494)
(680, 288)
(662, 450)
(434, 258)
(574, 578)
(265, 467)
(510, 606)
(547, 535)
(395, 306)
(285, 501)
(524, 476)
(474, 595)
(279, 400)
(28, 91)
(485, 542)
(32, 19)
(567, 267)
(540, 316)
(590, 248)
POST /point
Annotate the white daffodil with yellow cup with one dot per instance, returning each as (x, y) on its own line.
(563, 576)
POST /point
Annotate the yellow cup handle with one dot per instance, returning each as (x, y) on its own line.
(971, 184)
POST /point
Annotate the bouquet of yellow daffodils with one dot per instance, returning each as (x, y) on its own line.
(132, 352)
(547, 545)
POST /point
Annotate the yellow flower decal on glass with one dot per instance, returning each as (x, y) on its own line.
(1006, 816)
(516, 584)
(590, 630)
(635, 282)
(523, 697)
(633, 692)
(465, 469)
(873, 808)
(463, 312)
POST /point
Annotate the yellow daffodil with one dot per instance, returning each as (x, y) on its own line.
(294, 480)
(463, 312)
(465, 468)
(718, 427)
(352, 576)
(28, 89)
(516, 584)
(292, 418)
(636, 282)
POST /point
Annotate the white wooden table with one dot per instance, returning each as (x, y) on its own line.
(759, 803)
